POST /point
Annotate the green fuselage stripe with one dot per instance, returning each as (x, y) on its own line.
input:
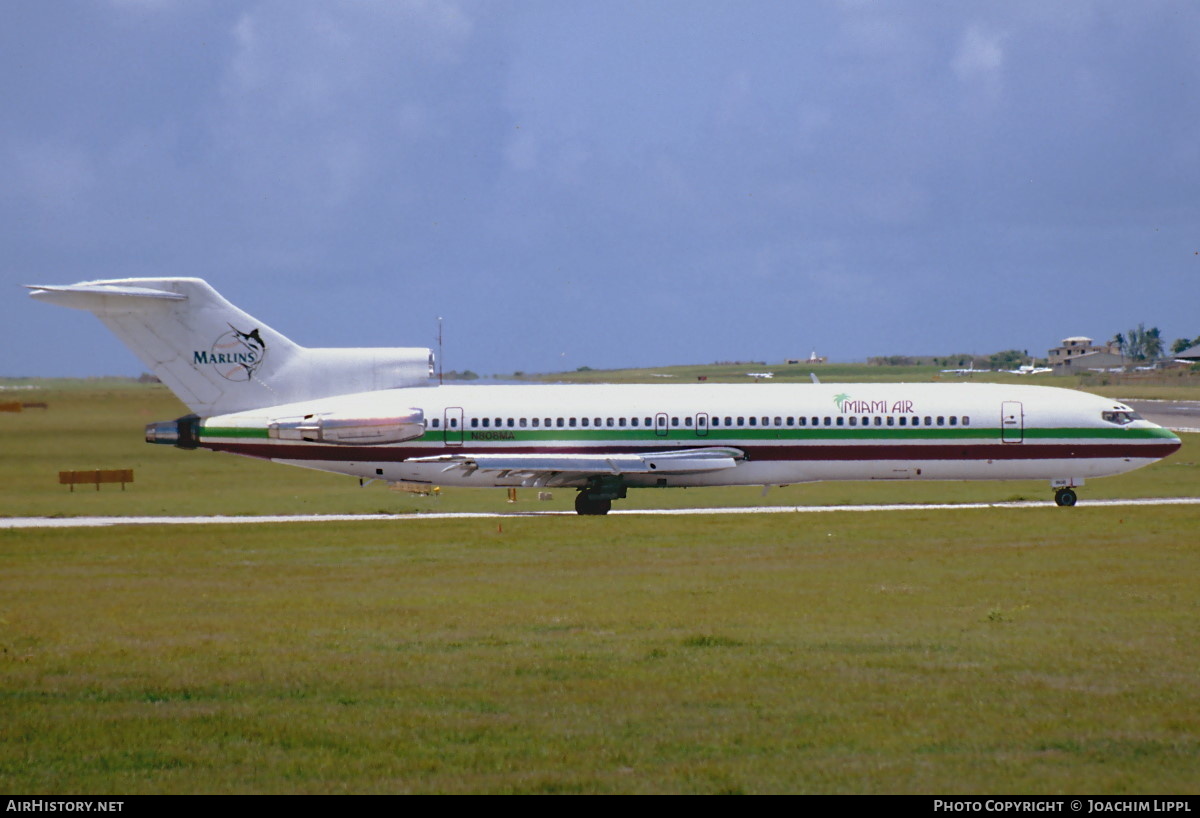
(726, 435)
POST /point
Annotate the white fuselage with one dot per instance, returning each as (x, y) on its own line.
(787, 433)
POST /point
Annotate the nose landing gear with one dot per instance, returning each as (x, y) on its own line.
(1065, 497)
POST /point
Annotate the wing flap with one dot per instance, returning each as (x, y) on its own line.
(683, 461)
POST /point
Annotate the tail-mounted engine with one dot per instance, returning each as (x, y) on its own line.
(349, 429)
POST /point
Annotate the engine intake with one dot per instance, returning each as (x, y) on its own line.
(343, 429)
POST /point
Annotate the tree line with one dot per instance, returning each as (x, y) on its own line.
(1143, 344)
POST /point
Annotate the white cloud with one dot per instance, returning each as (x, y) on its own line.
(320, 99)
(980, 56)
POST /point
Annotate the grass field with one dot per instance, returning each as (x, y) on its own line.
(1173, 384)
(968, 651)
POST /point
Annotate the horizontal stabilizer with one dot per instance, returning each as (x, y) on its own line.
(101, 296)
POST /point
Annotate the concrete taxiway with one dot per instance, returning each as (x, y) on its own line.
(1176, 415)
(94, 522)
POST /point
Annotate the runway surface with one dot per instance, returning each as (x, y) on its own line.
(1177, 415)
(95, 522)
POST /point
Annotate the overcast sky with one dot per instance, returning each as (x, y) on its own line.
(606, 183)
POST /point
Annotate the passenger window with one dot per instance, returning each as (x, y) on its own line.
(966, 421)
(597, 422)
(535, 423)
(584, 421)
(560, 423)
(571, 422)
(878, 421)
(648, 422)
(741, 421)
(853, 420)
(828, 421)
(903, 420)
(891, 421)
(474, 423)
(674, 421)
(802, 421)
(753, 421)
(928, 420)
(953, 421)
(941, 421)
(791, 421)
(687, 421)
(633, 421)
(841, 421)
(454, 423)
(486, 421)
(510, 423)
(523, 423)
(620, 421)
(766, 421)
(435, 423)
(916, 421)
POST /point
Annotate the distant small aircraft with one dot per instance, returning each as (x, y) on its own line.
(968, 371)
(377, 414)
(1028, 369)
(760, 374)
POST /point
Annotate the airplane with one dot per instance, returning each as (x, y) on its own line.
(1029, 369)
(379, 414)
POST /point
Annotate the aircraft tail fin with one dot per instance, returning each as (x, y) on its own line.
(217, 358)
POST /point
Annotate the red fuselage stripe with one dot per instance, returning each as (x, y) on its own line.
(812, 452)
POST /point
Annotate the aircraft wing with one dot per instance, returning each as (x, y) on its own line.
(543, 468)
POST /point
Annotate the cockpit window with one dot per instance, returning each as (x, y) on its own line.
(1120, 417)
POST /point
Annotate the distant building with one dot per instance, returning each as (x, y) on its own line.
(1189, 354)
(1078, 354)
(1076, 346)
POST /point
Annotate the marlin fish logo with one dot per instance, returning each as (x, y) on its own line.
(840, 399)
(250, 339)
(235, 355)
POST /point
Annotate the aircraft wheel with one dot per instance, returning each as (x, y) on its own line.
(585, 504)
(1065, 497)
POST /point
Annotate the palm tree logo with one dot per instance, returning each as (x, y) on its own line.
(838, 399)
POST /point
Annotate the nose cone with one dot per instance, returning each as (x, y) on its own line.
(1166, 442)
(1175, 443)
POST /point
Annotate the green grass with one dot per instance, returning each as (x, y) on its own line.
(967, 651)
(977, 651)
(1175, 384)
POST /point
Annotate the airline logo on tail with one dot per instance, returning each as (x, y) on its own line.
(235, 355)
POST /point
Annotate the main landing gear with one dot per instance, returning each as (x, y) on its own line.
(1065, 497)
(585, 503)
(597, 496)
